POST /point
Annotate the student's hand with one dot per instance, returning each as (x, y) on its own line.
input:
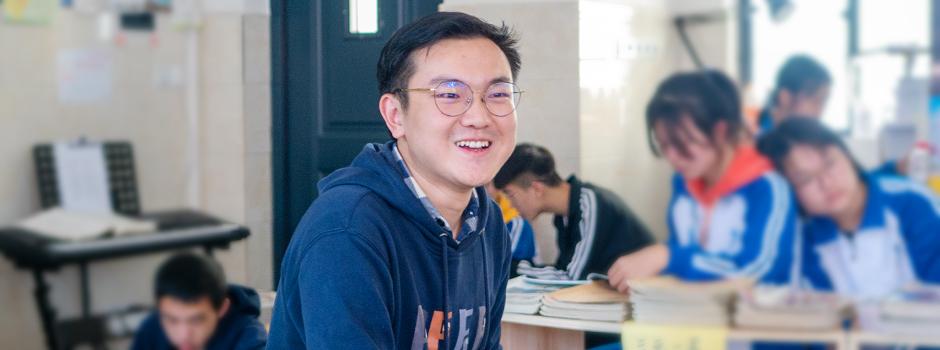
(646, 262)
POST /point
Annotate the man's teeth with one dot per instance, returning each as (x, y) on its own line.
(473, 144)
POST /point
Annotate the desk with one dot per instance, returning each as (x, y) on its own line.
(858, 338)
(542, 332)
(176, 230)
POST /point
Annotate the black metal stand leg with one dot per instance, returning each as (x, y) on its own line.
(46, 312)
(85, 292)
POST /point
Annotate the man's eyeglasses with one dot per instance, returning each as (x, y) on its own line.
(454, 97)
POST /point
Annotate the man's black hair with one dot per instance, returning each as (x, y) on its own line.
(801, 74)
(395, 66)
(707, 97)
(189, 277)
(528, 162)
(802, 130)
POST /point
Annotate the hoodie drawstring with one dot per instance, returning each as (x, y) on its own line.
(486, 284)
(444, 237)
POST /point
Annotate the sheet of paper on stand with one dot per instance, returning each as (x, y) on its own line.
(768, 307)
(77, 226)
(666, 300)
(914, 310)
(82, 176)
(595, 301)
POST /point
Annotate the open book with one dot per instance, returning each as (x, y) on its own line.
(79, 226)
(595, 301)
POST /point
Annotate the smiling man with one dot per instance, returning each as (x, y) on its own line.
(403, 249)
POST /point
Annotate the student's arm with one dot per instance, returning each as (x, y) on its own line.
(767, 237)
(345, 294)
(524, 249)
(920, 223)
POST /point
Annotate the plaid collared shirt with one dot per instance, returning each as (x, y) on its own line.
(470, 216)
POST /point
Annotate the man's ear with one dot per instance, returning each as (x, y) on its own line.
(392, 113)
(226, 304)
(538, 187)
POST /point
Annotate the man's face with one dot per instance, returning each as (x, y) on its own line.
(526, 199)
(189, 325)
(464, 151)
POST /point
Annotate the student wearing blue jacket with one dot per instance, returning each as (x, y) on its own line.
(802, 89)
(865, 236)
(404, 249)
(731, 215)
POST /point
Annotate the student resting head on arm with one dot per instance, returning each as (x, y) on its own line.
(731, 215)
(864, 236)
(403, 249)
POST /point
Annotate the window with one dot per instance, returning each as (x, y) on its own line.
(363, 16)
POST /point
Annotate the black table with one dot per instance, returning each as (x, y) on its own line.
(176, 229)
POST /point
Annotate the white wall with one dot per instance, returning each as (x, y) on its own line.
(589, 68)
(234, 92)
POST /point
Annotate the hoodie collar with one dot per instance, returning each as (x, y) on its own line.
(470, 213)
(746, 166)
(376, 169)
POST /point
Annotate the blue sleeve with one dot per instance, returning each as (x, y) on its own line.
(341, 298)
(765, 249)
(920, 223)
(889, 168)
(525, 247)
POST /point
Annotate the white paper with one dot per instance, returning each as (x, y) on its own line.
(82, 177)
(84, 76)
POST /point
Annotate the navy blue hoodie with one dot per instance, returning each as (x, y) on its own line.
(238, 329)
(368, 268)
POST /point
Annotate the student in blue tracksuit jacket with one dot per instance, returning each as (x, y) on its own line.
(865, 236)
(404, 249)
(731, 215)
(802, 89)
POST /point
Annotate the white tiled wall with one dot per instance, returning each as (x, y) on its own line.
(234, 92)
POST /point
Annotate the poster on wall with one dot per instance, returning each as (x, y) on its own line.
(84, 76)
(36, 12)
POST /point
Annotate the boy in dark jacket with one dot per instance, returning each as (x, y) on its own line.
(594, 226)
(197, 310)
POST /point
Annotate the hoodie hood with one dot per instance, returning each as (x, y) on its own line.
(375, 169)
(243, 302)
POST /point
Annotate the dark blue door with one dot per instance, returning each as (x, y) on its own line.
(325, 96)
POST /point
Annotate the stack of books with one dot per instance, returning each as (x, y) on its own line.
(594, 301)
(766, 307)
(914, 311)
(524, 295)
(668, 301)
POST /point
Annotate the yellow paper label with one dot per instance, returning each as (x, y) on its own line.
(662, 337)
